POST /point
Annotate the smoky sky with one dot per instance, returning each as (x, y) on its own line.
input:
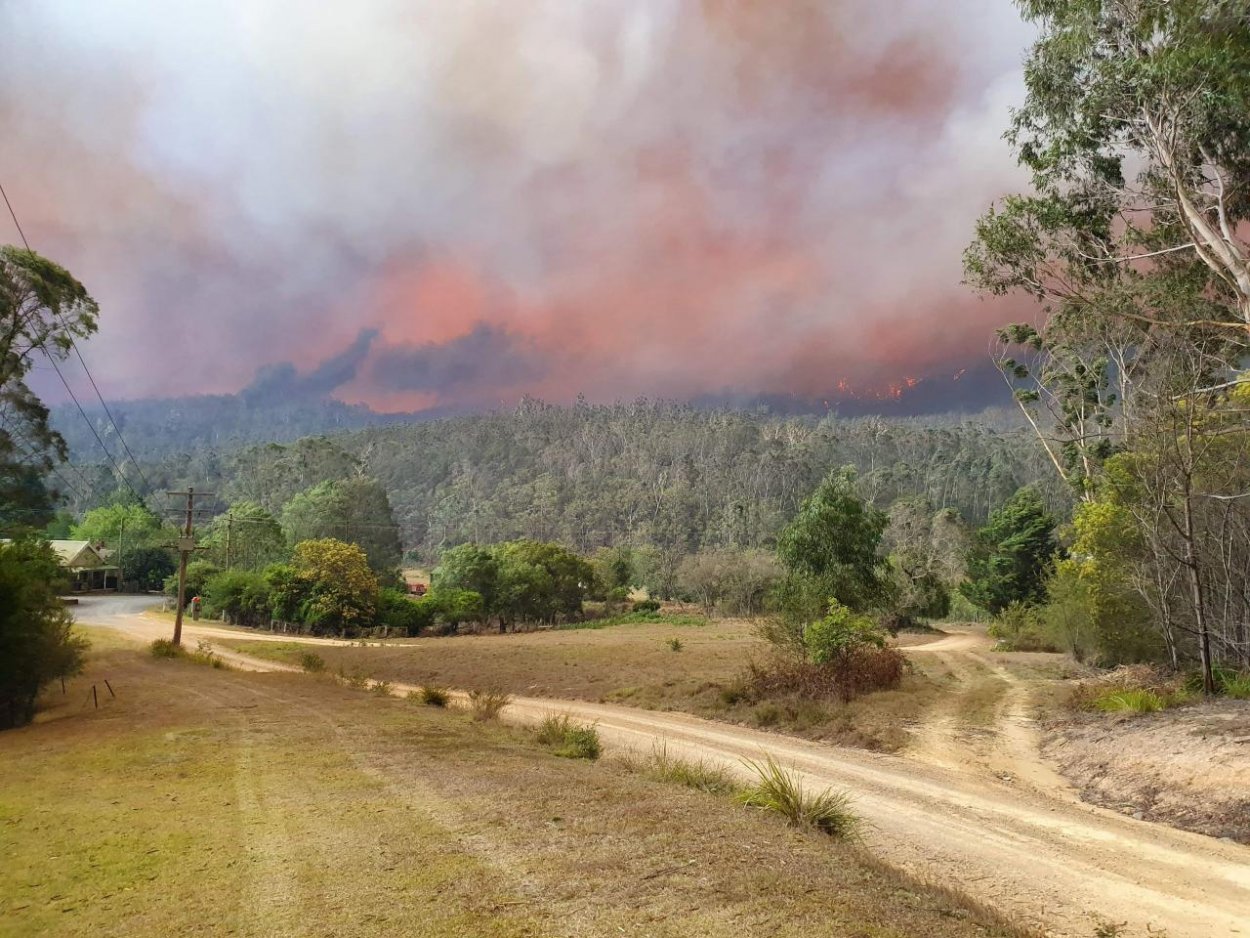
(424, 203)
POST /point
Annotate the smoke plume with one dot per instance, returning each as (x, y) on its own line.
(634, 197)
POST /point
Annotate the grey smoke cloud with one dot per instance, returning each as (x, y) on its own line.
(486, 356)
(284, 382)
(661, 197)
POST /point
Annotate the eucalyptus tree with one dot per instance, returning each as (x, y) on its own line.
(43, 309)
(1136, 131)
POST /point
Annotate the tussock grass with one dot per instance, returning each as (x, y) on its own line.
(487, 704)
(1132, 689)
(1235, 686)
(663, 766)
(782, 792)
(569, 740)
(312, 662)
(382, 688)
(675, 644)
(1129, 701)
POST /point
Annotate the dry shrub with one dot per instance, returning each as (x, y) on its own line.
(852, 674)
(486, 704)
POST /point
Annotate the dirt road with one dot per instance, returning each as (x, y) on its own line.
(1039, 854)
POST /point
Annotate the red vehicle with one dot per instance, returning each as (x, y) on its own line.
(417, 589)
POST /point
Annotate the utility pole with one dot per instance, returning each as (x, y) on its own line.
(229, 534)
(186, 547)
(121, 553)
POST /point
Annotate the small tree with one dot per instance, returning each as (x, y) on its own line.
(42, 310)
(831, 550)
(37, 642)
(1012, 554)
(342, 590)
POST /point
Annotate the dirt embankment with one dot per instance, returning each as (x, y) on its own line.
(1188, 767)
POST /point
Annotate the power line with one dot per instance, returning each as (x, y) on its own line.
(51, 468)
(74, 345)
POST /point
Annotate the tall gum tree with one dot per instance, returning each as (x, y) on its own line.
(42, 310)
(1135, 239)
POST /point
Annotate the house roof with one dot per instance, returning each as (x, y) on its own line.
(76, 554)
(70, 551)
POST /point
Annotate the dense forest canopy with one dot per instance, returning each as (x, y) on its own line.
(663, 475)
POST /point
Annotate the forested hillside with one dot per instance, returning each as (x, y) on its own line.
(157, 428)
(644, 474)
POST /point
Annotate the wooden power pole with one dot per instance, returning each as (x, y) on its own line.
(186, 547)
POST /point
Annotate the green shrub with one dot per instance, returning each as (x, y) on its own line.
(840, 634)
(399, 612)
(434, 696)
(777, 790)
(675, 644)
(241, 596)
(647, 605)
(165, 648)
(487, 704)
(1019, 628)
(581, 742)
(38, 641)
(312, 662)
(568, 740)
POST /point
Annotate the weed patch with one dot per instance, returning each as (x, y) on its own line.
(312, 662)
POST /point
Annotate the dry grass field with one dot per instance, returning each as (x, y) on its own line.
(211, 802)
(633, 664)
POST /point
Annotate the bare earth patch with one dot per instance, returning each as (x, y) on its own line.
(1189, 767)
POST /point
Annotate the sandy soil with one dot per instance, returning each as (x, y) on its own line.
(1028, 848)
(1189, 767)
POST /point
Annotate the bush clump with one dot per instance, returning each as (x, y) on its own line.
(782, 792)
(647, 606)
(433, 696)
(164, 648)
(312, 662)
(487, 704)
(1138, 688)
(851, 675)
(569, 740)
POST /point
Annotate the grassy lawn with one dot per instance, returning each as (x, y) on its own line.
(211, 802)
(630, 664)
